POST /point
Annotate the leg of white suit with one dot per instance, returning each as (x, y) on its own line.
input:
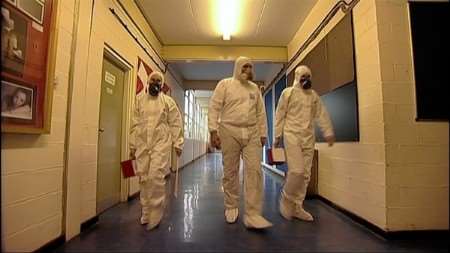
(308, 155)
(253, 178)
(299, 163)
(159, 164)
(231, 157)
(296, 168)
(143, 195)
(144, 162)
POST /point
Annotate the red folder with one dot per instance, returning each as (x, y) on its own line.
(127, 168)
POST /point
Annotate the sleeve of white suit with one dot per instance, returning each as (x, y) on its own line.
(134, 124)
(280, 115)
(175, 124)
(216, 106)
(323, 118)
(261, 116)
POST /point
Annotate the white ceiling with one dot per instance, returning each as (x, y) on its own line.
(193, 22)
(217, 70)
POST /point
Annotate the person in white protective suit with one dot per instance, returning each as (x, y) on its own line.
(156, 127)
(237, 102)
(299, 106)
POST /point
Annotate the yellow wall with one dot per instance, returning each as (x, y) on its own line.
(416, 152)
(32, 165)
(106, 30)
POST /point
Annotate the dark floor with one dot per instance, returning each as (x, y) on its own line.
(195, 222)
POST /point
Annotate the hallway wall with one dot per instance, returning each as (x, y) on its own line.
(32, 165)
(106, 30)
(352, 174)
(398, 171)
(192, 150)
(417, 181)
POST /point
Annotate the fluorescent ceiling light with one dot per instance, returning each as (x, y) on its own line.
(228, 12)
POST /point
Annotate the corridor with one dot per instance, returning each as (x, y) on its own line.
(195, 223)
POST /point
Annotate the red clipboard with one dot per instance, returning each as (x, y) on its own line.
(127, 168)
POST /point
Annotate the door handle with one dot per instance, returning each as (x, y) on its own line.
(101, 130)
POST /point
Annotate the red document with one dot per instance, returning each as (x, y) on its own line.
(128, 168)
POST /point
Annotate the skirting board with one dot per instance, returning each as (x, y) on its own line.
(52, 245)
(389, 235)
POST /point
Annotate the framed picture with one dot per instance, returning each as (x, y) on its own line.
(33, 8)
(17, 101)
(28, 51)
(143, 72)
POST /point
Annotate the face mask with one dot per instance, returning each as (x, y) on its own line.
(154, 89)
(306, 84)
(246, 76)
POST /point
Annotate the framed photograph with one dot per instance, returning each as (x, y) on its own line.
(33, 8)
(28, 63)
(14, 41)
(17, 101)
(143, 72)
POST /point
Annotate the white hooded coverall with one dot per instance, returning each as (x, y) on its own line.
(296, 111)
(156, 126)
(240, 108)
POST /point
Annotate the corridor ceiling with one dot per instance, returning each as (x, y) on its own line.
(195, 22)
(261, 24)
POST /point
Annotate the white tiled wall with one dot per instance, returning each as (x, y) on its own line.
(106, 30)
(32, 187)
(32, 165)
(352, 175)
(396, 176)
(416, 152)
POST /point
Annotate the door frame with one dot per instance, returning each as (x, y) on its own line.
(128, 89)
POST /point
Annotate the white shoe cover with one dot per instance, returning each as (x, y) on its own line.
(257, 222)
(144, 220)
(286, 208)
(301, 214)
(231, 215)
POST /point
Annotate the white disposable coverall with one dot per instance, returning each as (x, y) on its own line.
(296, 111)
(156, 126)
(239, 106)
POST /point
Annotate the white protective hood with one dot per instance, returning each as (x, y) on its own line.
(299, 72)
(238, 64)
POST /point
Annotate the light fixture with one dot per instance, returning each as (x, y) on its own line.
(226, 36)
(228, 14)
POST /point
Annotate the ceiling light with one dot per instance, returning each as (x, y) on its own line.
(228, 14)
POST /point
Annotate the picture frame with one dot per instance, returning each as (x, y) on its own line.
(18, 101)
(33, 8)
(143, 71)
(28, 62)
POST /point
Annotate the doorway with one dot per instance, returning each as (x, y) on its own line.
(110, 135)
